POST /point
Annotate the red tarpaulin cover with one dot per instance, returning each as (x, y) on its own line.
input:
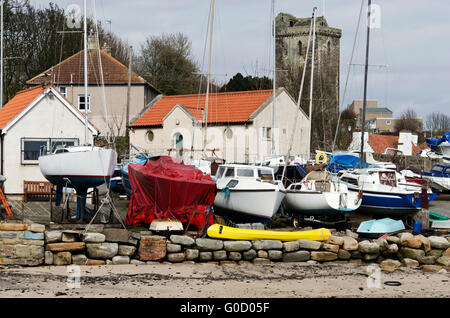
(167, 189)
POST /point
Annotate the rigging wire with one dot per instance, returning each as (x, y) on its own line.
(346, 81)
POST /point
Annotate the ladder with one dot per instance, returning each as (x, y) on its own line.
(6, 205)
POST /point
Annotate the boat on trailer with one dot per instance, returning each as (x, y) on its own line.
(385, 191)
(247, 192)
(320, 196)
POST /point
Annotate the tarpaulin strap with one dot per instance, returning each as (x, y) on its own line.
(226, 190)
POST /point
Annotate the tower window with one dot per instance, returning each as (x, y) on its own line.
(299, 47)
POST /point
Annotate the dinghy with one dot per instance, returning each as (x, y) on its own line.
(380, 227)
(226, 232)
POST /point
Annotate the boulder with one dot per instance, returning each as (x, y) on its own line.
(53, 236)
(323, 256)
(191, 254)
(427, 260)
(343, 254)
(249, 255)
(267, 245)
(408, 262)
(351, 234)
(116, 235)
(220, 255)
(432, 268)
(173, 248)
(446, 252)
(308, 245)
(407, 252)
(206, 244)
(291, 246)
(70, 236)
(336, 240)
(79, 259)
(350, 244)
(176, 257)
(331, 247)
(439, 242)
(390, 265)
(237, 246)
(443, 260)
(65, 247)
(262, 254)
(275, 254)
(126, 250)
(370, 257)
(62, 258)
(182, 240)
(298, 256)
(393, 239)
(93, 237)
(426, 244)
(205, 256)
(235, 256)
(102, 250)
(391, 249)
(412, 242)
(96, 262)
(368, 247)
(404, 235)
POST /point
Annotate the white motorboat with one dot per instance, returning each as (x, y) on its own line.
(438, 176)
(318, 194)
(248, 191)
(385, 191)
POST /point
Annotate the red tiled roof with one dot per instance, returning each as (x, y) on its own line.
(379, 143)
(18, 103)
(24, 98)
(233, 107)
(71, 70)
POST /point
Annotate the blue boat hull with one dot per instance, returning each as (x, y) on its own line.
(392, 203)
(78, 182)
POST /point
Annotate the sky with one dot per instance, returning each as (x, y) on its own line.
(409, 51)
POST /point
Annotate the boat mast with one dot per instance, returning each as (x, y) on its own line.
(208, 75)
(363, 124)
(274, 80)
(86, 97)
(312, 81)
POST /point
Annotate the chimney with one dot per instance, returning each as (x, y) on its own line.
(106, 48)
(92, 42)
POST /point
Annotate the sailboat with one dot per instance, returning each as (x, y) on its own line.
(79, 167)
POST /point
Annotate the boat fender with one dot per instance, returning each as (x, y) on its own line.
(226, 190)
(321, 158)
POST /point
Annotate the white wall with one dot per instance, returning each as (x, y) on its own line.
(246, 143)
(47, 119)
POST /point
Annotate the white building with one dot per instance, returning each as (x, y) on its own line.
(34, 119)
(239, 126)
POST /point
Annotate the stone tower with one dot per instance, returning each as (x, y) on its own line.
(291, 44)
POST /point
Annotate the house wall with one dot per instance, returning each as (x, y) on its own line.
(47, 119)
(246, 143)
(116, 101)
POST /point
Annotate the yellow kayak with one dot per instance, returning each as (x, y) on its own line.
(226, 232)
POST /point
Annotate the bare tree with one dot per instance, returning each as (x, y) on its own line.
(408, 121)
(437, 122)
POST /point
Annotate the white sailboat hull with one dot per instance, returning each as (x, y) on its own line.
(321, 202)
(86, 168)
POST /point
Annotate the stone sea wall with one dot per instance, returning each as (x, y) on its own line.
(33, 245)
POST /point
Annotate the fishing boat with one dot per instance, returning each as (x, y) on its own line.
(438, 176)
(317, 194)
(385, 191)
(79, 167)
(247, 192)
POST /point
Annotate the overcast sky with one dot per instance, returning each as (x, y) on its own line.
(409, 52)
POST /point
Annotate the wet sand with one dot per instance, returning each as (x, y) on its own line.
(281, 280)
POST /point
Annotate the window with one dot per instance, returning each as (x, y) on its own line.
(63, 90)
(230, 172)
(267, 133)
(32, 148)
(150, 135)
(245, 173)
(220, 172)
(82, 103)
(265, 174)
(388, 122)
(300, 48)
